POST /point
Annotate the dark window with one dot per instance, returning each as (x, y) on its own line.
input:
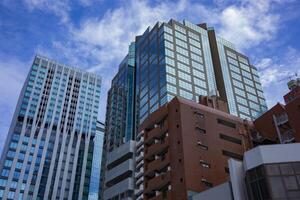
(202, 146)
(204, 164)
(200, 130)
(226, 123)
(206, 183)
(199, 115)
(230, 139)
(226, 170)
(232, 155)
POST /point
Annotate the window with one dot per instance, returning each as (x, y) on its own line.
(180, 36)
(199, 82)
(230, 139)
(206, 183)
(231, 54)
(180, 29)
(199, 114)
(243, 60)
(232, 61)
(185, 85)
(194, 36)
(202, 146)
(197, 66)
(171, 79)
(196, 58)
(186, 94)
(200, 91)
(184, 76)
(183, 67)
(232, 155)
(3, 182)
(11, 195)
(8, 163)
(226, 123)
(200, 130)
(204, 164)
(181, 43)
(182, 51)
(171, 89)
(170, 70)
(195, 50)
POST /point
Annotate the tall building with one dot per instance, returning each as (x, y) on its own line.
(118, 151)
(186, 148)
(188, 60)
(95, 189)
(168, 60)
(49, 148)
(120, 104)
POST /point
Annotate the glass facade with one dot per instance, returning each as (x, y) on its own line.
(274, 181)
(120, 110)
(94, 193)
(243, 88)
(173, 59)
(51, 134)
(120, 104)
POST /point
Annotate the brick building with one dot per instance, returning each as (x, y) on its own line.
(186, 147)
(280, 124)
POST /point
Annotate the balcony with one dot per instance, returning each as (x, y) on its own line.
(123, 186)
(140, 142)
(162, 196)
(156, 133)
(139, 173)
(139, 157)
(139, 181)
(282, 119)
(288, 136)
(158, 182)
(157, 148)
(157, 164)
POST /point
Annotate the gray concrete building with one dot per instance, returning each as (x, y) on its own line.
(267, 172)
(120, 167)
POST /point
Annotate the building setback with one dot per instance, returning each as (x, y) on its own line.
(187, 146)
(49, 148)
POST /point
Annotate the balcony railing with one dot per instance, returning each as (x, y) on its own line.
(281, 119)
(158, 182)
(288, 136)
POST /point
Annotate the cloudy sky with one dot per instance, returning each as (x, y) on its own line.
(95, 34)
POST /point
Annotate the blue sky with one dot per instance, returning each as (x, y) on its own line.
(95, 34)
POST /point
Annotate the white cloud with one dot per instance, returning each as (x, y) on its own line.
(276, 71)
(100, 44)
(108, 37)
(249, 23)
(60, 8)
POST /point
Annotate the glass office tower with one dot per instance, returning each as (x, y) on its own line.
(49, 148)
(120, 115)
(120, 104)
(178, 59)
(237, 80)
